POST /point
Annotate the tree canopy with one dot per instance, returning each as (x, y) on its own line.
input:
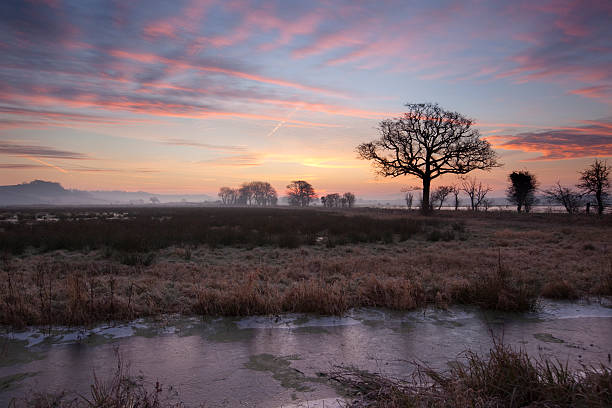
(428, 142)
(300, 193)
(522, 190)
(596, 180)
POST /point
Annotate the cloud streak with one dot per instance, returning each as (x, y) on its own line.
(594, 140)
(190, 143)
(18, 149)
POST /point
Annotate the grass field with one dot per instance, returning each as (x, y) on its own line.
(89, 265)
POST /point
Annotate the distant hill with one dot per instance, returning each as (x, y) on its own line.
(39, 192)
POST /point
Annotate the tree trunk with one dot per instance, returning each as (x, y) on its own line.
(425, 207)
(600, 206)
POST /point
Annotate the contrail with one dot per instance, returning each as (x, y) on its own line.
(282, 122)
(34, 159)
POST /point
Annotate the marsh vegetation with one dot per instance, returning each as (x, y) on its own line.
(245, 261)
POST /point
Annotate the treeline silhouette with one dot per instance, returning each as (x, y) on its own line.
(259, 193)
(346, 200)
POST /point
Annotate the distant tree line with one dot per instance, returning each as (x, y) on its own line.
(594, 185)
(346, 200)
(258, 193)
(300, 193)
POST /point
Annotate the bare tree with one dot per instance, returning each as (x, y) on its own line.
(301, 193)
(522, 190)
(409, 197)
(571, 199)
(331, 200)
(428, 142)
(263, 193)
(250, 193)
(486, 203)
(226, 195)
(456, 191)
(475, 191)
(596, 180)
(245, 194)
(439, 195)
(350, 199)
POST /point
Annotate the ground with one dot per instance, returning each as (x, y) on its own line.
(277, 260)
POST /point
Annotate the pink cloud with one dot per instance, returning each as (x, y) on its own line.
(180, 64)
(591, 140)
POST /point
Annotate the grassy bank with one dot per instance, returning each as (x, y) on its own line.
(82, 269)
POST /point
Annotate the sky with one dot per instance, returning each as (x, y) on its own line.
(191, 95)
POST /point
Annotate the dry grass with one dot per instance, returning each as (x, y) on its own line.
(497, 261)
(504, 378)
(120, 390)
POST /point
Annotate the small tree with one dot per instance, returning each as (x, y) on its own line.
(570, 199)
(263, 193)
(596, 180)
(300, 193)
(439, 195)
(331, 200)
(427, 142)
(521, 190)
(475, 191)
(225, 194)
(409, 197)
(350, 199)
(456, 191)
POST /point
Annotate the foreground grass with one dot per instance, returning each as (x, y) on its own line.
(504, 378)
(342, 260)
(120, 390)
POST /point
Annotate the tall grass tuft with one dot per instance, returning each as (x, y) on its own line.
(120, 390)
(504, 378)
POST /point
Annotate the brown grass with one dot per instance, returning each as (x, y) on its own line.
(504, 378)
(497, 261)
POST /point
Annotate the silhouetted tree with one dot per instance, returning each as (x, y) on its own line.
(262, 192)
(522, 190)
(331, 200)
(428, 142)
(225, 194)
(456, 191)
(596, 180)
(439, 195)
(570, 199)
(475, 191)
(252, 193)
(409, 198)
(350, 199)
(300, 193)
